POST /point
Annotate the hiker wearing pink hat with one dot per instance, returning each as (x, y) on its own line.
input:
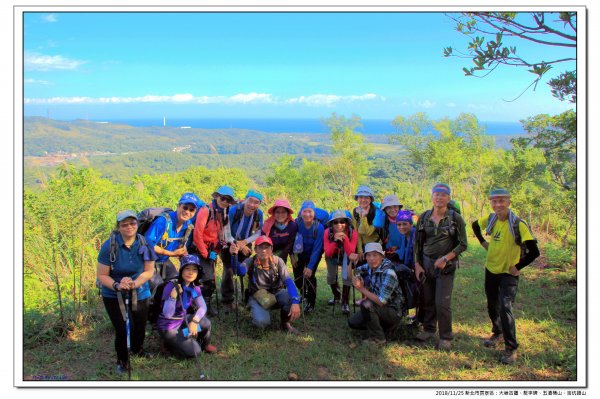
(281, 228)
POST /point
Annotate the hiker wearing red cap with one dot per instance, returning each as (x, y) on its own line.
(281, 228)
(511, 248)
(267, 275)
(441, 237)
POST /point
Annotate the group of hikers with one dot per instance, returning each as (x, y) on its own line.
(159, 265)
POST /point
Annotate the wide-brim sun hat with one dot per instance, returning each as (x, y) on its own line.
(338, 214)
(390, 200)
(283, 204)
(364, 191)
(225, 191)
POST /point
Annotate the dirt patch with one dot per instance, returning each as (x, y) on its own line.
(323, 373)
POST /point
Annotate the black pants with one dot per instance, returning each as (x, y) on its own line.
(207, 280)
(137, 324)
(437, 298)
(310, 284)
(189, 346)
(227, 287)
(501, 290)
(373, 318)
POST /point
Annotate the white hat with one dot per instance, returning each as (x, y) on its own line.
(374, 247)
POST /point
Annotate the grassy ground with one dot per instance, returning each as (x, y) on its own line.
(327, 350)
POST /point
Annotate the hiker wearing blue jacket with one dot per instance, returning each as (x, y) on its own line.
(246, 221)
(168, 236)
(125, 264)
(307, 252)
(391, 237)
(405, 251)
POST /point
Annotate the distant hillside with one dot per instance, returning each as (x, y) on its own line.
(44, 136)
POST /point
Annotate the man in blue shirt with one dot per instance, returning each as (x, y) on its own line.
(245, 220)
(167, 235)
(382, 307)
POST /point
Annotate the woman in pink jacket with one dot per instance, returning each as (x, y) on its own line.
(340, 241)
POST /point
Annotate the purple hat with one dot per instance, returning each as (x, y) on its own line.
(404, 216)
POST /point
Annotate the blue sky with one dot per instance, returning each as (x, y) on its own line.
(264, 65)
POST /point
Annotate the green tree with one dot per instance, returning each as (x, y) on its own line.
(456, 152)
(491, 49)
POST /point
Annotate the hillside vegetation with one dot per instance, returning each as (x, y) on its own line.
(70, 212)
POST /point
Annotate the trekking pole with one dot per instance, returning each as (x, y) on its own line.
(128, 332)
(353, 290)
(235, 287)
(214, 267)
(303, 288)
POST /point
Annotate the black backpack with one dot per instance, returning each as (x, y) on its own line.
(148, 215)
(408, 286)
(154, 307)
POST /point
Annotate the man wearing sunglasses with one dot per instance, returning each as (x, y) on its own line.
(167, 236)
(211, 232)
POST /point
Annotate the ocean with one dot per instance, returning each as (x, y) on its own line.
(370, 126)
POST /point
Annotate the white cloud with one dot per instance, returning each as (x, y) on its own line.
(426, 104)
(240, 98)
(331, 99)
(36, 82)
(41, 62)
(451, 105)
(50, 18)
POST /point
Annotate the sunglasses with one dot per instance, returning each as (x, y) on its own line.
(339, 222)
(188, 208)
(229, 200)
(129, 224)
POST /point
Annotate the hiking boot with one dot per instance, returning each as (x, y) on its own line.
(444, 345)
(308, 309)
(493, 340)
(121, 368)
(333, 301)
(209, 348)
(424, 335)
(345, 309)
(509, 356)
(374, 341)
(288, 327)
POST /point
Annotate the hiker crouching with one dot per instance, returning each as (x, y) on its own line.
(382, 307)
(125, 264)
(185, 332)
(503, 263)
(267, 276)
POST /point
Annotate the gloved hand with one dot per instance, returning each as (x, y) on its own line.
(212, 256)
